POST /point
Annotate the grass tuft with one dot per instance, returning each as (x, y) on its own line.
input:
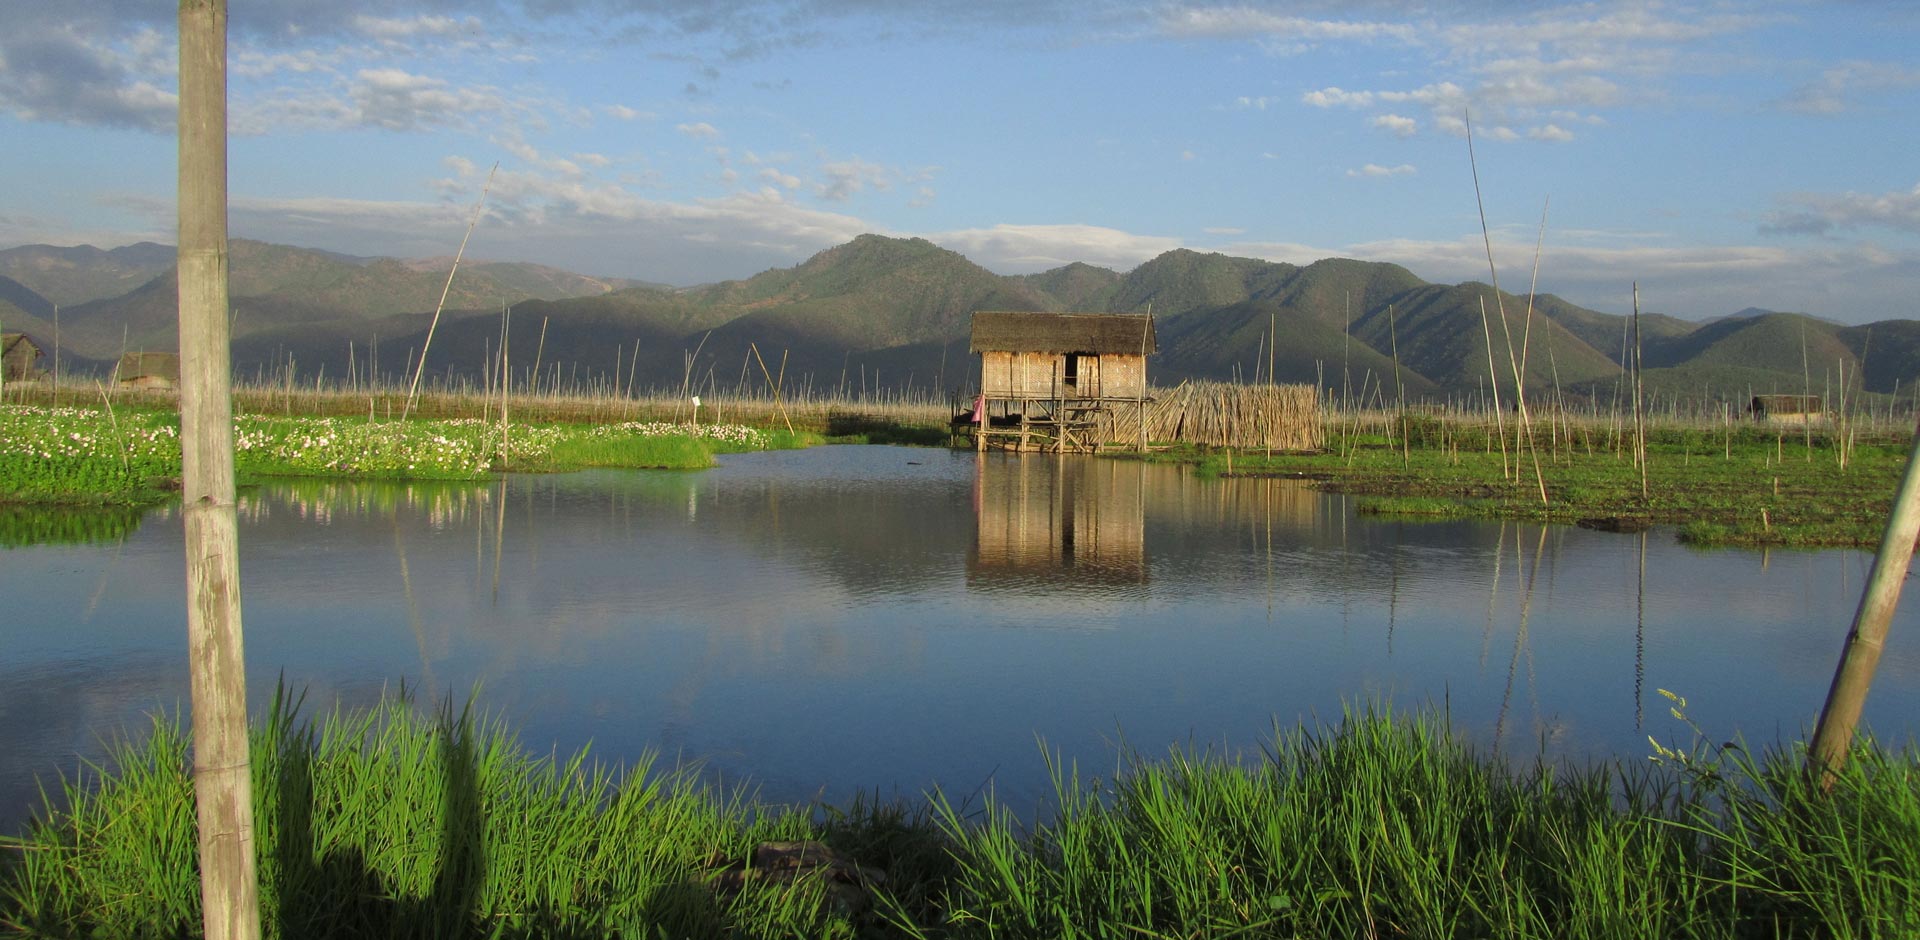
(396, 821)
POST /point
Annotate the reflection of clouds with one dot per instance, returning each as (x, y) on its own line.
(55, 715)
(819, 602)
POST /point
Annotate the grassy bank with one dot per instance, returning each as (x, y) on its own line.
(1721, 486)
(393, 823)
(132, 456)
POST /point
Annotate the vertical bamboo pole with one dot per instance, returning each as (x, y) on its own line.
(1639, 412)
(1861, 654)
(223, 790)
(413, 390)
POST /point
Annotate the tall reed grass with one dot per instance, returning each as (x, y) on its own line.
(395, 822)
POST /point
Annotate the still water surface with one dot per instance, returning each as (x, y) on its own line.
(844, 618)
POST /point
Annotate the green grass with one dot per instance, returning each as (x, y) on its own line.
(1722, 486)
(84, 456)
(127, 457)
(394, 822)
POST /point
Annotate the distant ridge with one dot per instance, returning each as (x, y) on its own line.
(892, 312)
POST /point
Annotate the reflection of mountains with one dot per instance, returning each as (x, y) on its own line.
(1054, 522)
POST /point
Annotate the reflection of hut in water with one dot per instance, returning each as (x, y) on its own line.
(17, 356)
(1787, 409)
(148, 370)
(1060, 381)
(1058, 522)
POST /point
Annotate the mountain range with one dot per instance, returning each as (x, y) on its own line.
(891, 313)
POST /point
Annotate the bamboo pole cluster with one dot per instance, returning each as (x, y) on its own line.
(1225, 414)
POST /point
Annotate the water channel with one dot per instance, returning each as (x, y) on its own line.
(841, 619)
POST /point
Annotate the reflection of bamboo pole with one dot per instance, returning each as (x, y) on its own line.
(499, 538)
(1493, 593)
(1640, 638)
(413, 606)
(1861, 655)
(222, 768)
(1520, 644)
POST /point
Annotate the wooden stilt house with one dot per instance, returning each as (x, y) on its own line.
(148, 370)
(17, 356)
(1787, 409)
(1060, 381)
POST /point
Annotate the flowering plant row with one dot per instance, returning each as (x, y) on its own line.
(55, 453)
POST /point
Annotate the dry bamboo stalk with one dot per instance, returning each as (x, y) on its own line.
(421, 367)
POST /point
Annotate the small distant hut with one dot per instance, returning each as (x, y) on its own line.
(18, 354)
(148, 370)
(1059, 381)
(1787, 409)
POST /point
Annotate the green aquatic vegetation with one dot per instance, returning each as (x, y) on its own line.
(1741, 487)
(395, 821)
(75, 455)
(34, 524)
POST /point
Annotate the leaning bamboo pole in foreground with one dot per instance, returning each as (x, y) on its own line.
(222, 772)
(1860, 657)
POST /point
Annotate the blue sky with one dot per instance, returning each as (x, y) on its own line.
(1724, 155)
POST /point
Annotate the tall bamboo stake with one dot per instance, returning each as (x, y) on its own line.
(222, 774)
(414, 389)
(1861, 654)
(1639, 412)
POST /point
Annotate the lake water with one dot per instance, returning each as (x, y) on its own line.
(840, 619)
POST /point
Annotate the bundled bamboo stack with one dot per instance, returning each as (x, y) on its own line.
(1223, 414)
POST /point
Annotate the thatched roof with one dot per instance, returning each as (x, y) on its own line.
(1098, 333)
(9, 340)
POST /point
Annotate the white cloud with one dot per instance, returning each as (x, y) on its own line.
(1377, 171)
(1549, 68)
(1336, 97)
(399, 100)
(698, 131)
(1397, 125)
(395, 28)
(257, 64)
(1833, 92)
(1224, 230)
(1242, 22)
(1822, 213)
(843, 178)
(779, 178)
(62, 75)
(1013, 249)
(624, 113)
